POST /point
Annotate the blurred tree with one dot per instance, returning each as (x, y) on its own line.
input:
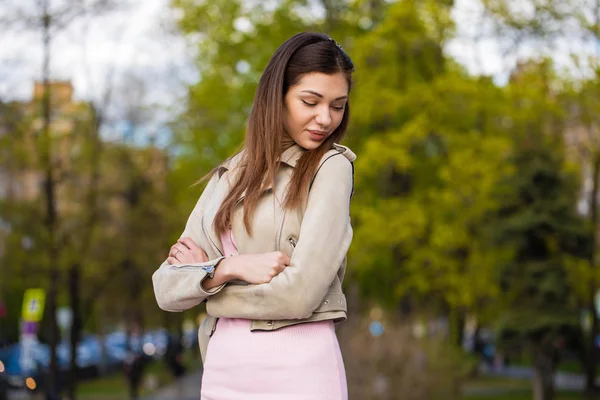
(426, 135)
(543, 26)
(20, 214)
(430, 152)
(48, 18)
(581, 102)
(420, 126)
(538, 221)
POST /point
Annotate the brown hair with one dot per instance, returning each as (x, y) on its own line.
(301, 54)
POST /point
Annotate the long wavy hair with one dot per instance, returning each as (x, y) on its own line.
(301, 54)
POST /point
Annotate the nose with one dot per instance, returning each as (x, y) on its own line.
(323, 117)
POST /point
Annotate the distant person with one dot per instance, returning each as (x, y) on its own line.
(134, 370)
(266, 244)
(3, 388)
(174, 357)
(134, 363)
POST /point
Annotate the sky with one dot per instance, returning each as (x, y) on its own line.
(137, 40)
(137, 43)
(134, 39)
(118, 50)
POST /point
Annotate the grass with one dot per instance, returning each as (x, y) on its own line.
(523, 396)
(570, 365)
(114, 386)
(495, 388)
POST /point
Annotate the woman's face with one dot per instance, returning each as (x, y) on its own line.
(314, 108)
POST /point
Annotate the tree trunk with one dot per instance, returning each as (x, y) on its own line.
(75, 336)
(75, 271)
(543, 378)
(457, 321)
(49, 194)
(52, 388)
(590, 365)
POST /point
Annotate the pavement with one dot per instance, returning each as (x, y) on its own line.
(186, 388)
(562, 380)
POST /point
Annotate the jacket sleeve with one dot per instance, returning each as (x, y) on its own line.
(325, 236)
(178, 287)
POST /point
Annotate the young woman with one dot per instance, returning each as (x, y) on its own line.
(266, 244)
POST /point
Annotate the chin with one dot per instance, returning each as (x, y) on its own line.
(309, 144)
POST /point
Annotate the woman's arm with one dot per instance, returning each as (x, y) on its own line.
(220, 277)
(324, 239)
(251, 268)
(178, 287)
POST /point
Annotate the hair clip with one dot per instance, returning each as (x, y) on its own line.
(336, 43)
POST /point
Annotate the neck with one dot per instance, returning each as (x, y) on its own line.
(287, 142)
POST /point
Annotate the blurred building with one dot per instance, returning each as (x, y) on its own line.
(21, 123)
(123, 170)
(580, 131)
(72, 140)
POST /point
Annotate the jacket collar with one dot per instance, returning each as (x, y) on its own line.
(292, 154)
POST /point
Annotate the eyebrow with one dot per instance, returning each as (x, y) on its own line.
(321, 96)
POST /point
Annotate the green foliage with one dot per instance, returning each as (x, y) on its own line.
(230, 62)
(430, 152)
(433, 143)
(446, 161)
(538, 220)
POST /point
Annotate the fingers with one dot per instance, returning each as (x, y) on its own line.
(178, 249)
(187, 251)
(283, 258)
(203, 255)
(282, 261)
(188, 243)
(172, 260)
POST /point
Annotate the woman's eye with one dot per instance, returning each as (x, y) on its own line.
(339, 108)
(309, 104)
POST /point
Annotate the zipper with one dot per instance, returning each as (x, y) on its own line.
(187, 267)
(209, 269)
(184, 268)
(280, 230)
(292, 242)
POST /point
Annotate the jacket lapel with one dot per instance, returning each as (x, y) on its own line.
(290, 157)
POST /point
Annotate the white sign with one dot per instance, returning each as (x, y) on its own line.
(29, 343)
(64, 317)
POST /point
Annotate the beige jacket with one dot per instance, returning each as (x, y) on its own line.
(316, 237)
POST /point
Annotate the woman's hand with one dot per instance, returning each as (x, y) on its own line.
(255, 268)
(186, 251)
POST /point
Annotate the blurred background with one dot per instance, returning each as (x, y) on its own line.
(473, 272)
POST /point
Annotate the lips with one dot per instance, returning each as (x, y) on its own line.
(317, 135)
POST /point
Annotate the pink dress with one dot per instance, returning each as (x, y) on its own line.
(298, 362)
